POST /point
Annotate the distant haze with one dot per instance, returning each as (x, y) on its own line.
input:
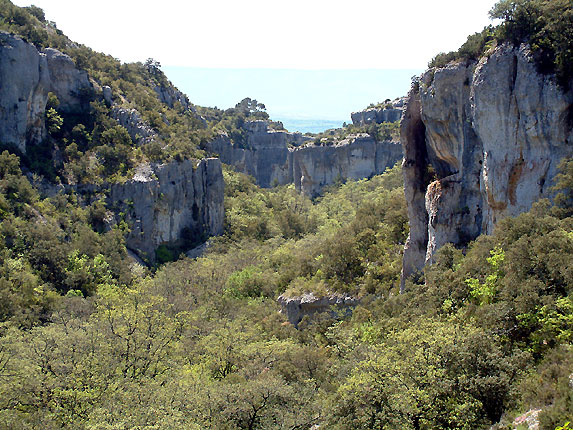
(304, 100)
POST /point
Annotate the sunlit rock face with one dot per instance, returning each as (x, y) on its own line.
(165, 203)
(391, 113)
(26, 77)
(279, 157)
(24, 86)
(481, 141)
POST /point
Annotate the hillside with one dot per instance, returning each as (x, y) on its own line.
(298, 314)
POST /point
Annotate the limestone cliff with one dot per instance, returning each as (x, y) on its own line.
(481, 141)
(178, 203)
(169, 203)
(26, 77)
(390, 113)
(279, 157)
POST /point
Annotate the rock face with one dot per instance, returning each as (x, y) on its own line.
(170, 95)
(481, 141)
(279, 157)
(139, 131)
(164, 204)
(24, 86)
(356, 157)
(296, 308)
(379, 115)
(26, 77)
(71, 85)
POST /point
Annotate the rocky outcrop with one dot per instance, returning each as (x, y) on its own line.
(24, 86)
(379, 115)
(356, 157)
(139, 130)
(169, 95)
(170, 203)
(26, 78)
(71, 85)
(296, 308)
(279, 157)
(481, 141)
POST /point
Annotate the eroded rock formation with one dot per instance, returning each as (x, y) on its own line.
(481, 141)
(392, 113)
(26, 78)
(296, 308)
(279, 157)
(175, 203)
(168, 203)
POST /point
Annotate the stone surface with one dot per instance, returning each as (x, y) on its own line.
(493, 132)
(26, 77)
(279, 158)
(71, 85)
(356, 157)
(296, 308)
(379, 115)
(24, 86)
(139, 130)
(169, 95)
(164, 203)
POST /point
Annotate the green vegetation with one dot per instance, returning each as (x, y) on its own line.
(90, 340)
(546, 25)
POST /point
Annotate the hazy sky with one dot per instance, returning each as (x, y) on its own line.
(202, 44)
(299, 34)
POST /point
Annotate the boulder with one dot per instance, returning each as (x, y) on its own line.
(296, 308)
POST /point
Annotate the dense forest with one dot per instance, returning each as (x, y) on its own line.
(90, 339)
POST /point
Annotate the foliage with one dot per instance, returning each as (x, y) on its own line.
(90, 340)
(544, 24)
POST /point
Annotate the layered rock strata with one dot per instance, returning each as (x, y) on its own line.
(279, 158)
(481, 141)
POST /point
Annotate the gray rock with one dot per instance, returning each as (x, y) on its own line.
(170, 95)
(26, 77)
(71, 85)
(139, 130)
(24, 86)
(296, 308)
(356, 157)
(107, 95)
(162, 203)
(279, 158)
(494, 133)
(379, 115)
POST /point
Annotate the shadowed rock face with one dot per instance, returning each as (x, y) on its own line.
(26, 77)
(164, 203)
(279, 158)
(492, 134)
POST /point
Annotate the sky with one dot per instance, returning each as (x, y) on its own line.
(311, 35)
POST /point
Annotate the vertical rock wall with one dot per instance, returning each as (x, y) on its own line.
(481, 141)
(279, 158)
(164, 204)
